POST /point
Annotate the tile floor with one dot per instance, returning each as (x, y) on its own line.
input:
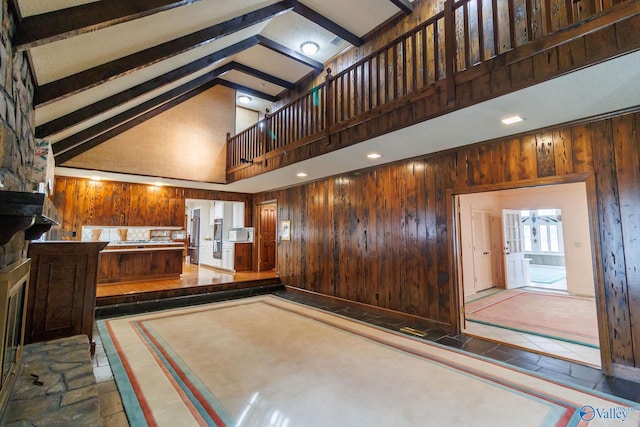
(565, 350)
(111, 408)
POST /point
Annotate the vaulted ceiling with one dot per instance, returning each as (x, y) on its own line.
(101, 67)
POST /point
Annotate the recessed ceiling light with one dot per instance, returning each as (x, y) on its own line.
(511, 120)
(158, 184)
(244, 99)
(95, 178)
(309, 48)
(374, 155)
(301, 174)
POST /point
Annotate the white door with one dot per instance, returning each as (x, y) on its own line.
(514, 262)
(482, 254)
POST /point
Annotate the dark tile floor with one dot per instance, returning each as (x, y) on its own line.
(556, 369)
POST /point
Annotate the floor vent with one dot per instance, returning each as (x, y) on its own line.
(411, 331)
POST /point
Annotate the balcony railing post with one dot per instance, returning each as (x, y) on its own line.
(450, 50)
(328, 110)
(230, 163)
(266, 134)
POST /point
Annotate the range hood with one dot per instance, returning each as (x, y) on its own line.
(24, 211)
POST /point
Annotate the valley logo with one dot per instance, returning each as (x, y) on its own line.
(588, 413)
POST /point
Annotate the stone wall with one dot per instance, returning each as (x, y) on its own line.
(17, 122)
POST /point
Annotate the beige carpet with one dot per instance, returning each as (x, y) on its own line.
(268, 362)
(564, 317)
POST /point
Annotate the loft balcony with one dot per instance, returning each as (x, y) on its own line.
(470, 52)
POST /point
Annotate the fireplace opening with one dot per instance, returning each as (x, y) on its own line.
(13, 298)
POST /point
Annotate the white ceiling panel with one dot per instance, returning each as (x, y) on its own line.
(63, 58)
(270, 62)
(292, 30)
(251, 82)
(357, 16)
(36, 7)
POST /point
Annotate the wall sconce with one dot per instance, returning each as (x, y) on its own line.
(244, 99)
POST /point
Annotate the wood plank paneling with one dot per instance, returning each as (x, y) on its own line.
(81, 202)
(627, 160)
(611, 239)
(382, 236)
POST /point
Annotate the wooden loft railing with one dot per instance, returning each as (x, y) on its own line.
(465, 34)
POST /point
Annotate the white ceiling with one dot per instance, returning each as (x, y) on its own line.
(607, 87)
(63, 58)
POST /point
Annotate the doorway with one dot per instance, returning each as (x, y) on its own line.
(499, 251)
(267, 237)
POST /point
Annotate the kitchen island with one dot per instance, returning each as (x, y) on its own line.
(132, 261)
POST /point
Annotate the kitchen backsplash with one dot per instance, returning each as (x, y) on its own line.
(121, 234)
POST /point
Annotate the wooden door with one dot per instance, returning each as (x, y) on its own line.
(514, 262)
(267, 237)
(482, 250)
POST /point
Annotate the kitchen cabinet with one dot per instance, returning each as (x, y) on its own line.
(206, 254)
(150, 261)
(243, 256)
(228, 252)
(238, 215)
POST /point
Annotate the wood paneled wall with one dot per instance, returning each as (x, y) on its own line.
(108, 203)
(384, 236)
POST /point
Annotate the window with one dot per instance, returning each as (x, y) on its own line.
(553, 238)
(544, 239)
(527, 238)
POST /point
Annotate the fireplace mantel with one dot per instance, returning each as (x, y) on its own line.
(24, 211)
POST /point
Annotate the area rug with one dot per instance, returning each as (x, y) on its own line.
(563, 317)
(265, 361)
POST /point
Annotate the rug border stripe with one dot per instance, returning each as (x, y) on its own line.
(137, 410)
(181, 378)
(170, 376)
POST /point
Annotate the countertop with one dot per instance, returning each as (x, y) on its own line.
(143, 245)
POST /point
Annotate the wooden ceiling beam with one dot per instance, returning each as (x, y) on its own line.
(326, 23)
(290, 53)
(49, 27)
(404, 5)
(64, 122)
(262, 76)
(94, 76)
(247, 90)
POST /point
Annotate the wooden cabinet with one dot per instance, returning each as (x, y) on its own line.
(128, 263)
(62, 290)
(243, 258)
(228, 255)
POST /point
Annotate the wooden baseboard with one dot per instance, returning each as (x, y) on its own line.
(413, 319)
(626, 372)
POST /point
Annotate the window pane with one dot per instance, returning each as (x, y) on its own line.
(546, 212)
(527, 238)
(544, 239)
(553, 238)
